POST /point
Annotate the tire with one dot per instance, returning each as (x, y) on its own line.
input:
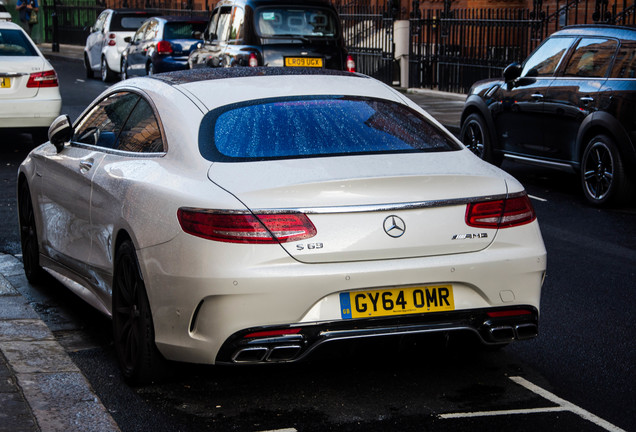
(133, 332)
(124, 69)
(29, 236)
(603, 176)
(87, 66)
(474, 135)
(107, 74)
(150, 69)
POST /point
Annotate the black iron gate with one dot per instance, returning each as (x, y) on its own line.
(368, 33)
(452, 48)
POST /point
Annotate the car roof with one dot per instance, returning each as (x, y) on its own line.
(179, 18)
(619, 32)
(257, 3)
(9, 25)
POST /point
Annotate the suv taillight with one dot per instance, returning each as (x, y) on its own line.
(42, 79)
(253, 62)
(164, 47)
(506, 213)
(245, 227)
(351, 64)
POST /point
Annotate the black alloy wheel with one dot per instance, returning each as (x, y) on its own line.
(150, 69)
(603, 176)
(124, 69)
(29, 236)
(474, 135)
(133, 330)
(87, 66)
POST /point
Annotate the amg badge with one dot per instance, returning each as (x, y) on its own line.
(469, 236)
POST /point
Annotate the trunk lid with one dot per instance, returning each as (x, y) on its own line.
(302, 51)
(18, 71)
(371, 207)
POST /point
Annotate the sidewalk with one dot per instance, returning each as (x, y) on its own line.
(41, 389)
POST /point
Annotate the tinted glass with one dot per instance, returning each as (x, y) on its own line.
(625, 64)
(127, 22)
(545, 60)
(296, 21)
(104, 122)
(15, 43)
(141, 132)
(591, 58)
(224, 23)
(311, 127)
(182, 30)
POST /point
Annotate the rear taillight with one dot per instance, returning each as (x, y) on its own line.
(164, 47)
(253, 61)
(246, 228)
(504, 213)
(43, 79)
(111, 39)
(351, 64)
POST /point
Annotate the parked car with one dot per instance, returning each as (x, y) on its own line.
(289, 33)
(29, 91)
(5, 15)
(569, 106)
(161, 44)
(249, 215)
(105, 42)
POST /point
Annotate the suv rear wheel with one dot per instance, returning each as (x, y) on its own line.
(603, 175)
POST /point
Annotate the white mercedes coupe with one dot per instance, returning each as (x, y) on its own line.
(250, 215)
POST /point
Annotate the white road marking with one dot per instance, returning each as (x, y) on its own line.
(537, 198)
(562, 405)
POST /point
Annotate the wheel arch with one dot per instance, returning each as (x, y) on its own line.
(604, 123)
(476, 105)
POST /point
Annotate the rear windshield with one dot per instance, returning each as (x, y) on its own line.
(15, 43)
(295, 21)
(183, 30)
(285, 128)
(128, 22)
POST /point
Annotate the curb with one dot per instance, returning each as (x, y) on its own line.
(41, 389)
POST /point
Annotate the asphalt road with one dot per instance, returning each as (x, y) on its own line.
(583, 362)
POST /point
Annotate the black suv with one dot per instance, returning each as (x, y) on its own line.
(301, 33)
(571, 105)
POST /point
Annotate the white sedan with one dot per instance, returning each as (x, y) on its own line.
(249, 215)
(29, 91)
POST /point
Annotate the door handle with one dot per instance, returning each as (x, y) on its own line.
(587, 99)
(85, 165)
(537, 96)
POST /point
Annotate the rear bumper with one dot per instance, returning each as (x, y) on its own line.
(248, 347)
(27, 113)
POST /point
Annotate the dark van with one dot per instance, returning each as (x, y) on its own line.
(273, 33)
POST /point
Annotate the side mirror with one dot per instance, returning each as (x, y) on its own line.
(127, 39)
(197, 35)
(512, 72)
(61, 132)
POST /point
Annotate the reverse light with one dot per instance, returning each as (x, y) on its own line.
(246, 227)
(164, 47)
(253, 61)
(43, 79)
(351, 64)
(504, 213)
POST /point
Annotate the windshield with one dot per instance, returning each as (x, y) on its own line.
(295, 21)
(291, 127)
(15, 43)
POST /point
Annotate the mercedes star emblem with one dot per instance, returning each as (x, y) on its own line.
(394, 226)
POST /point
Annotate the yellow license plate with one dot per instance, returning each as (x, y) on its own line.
(303, 62)
(397, 301)
(5, 82)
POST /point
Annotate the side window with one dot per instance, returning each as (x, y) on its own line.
(545, 60)
(236, 28)
(591, 58)
(211, 32)
(625, 64)
(141, 132)
(101, 126)
(99, 24)
(151, 30)
(139, 34)
(224, 23)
